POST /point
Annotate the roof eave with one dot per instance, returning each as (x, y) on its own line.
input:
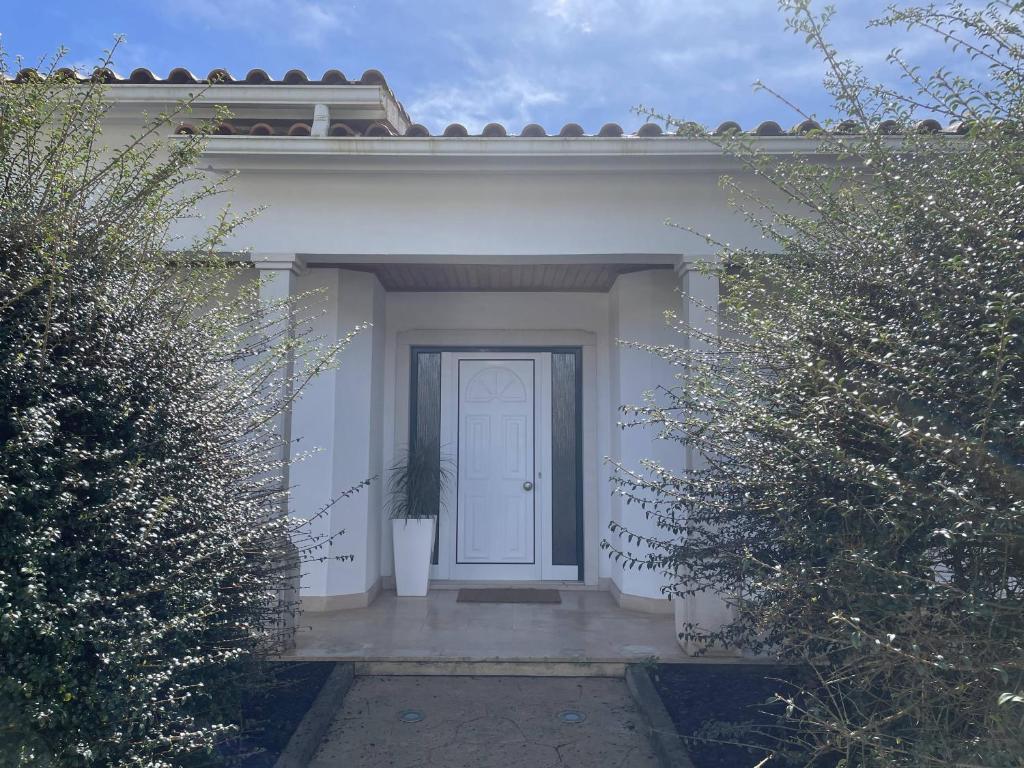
(518, 154)
(368, 102)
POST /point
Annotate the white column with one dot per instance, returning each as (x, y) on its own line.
(337, 426)
(358, 441)
(277, 274)
(701, 303)
(638, 302)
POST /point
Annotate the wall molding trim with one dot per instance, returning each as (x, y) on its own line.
(324, 603)
(659, 605)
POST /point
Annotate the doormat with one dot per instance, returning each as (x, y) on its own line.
(505, 595)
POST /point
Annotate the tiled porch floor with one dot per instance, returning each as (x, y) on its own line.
(586, 626)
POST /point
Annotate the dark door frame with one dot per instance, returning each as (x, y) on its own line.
(576, 351)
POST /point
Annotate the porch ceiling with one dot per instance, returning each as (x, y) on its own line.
(593, 278)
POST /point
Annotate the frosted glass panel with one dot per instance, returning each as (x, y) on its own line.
(426, 427)
(565, 478)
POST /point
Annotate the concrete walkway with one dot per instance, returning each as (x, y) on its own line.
(486, 722)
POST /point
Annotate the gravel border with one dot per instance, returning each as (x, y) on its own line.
(311, 730)
(662, 732)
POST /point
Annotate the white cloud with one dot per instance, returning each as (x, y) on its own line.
(578, 15)
(508, 99)
(618, 16)
(305, 22)
(718, 54)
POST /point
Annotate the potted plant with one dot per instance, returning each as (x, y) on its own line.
(415, 490)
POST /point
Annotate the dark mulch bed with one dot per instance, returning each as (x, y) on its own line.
(274, 712)
(701, 698)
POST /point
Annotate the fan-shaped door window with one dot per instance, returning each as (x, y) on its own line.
(496, 382)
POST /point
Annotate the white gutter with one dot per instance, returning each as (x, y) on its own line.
(477, 153)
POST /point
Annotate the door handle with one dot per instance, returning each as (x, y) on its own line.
(527, 486)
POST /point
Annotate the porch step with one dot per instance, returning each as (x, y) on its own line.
(492, 668)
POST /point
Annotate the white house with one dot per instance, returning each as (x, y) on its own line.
(499, 272)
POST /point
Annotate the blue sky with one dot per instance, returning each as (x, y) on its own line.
(514, 62)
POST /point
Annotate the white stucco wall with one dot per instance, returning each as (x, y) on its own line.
(447, 210)
(354, 413)
(358, 412)
(478, 214)
(382, 209)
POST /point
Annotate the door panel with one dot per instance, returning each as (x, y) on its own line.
(496, 520)
(514, 430)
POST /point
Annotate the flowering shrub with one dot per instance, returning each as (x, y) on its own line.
(859, 411)
(144, 559)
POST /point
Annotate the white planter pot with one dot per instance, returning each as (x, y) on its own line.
(414, 543)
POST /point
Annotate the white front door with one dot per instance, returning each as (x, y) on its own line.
(496, 424)
(496, 474)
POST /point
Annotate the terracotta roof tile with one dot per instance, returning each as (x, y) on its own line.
(342, 129)
(805, 127)
(182, 76)
(333, 77)
(491, 129)
(105, 75)
(769, 128)
(378, 129)
(373, 77)
(295, 77)
(257, 77)
(570, 130)
(649, 129)
(141, 75)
